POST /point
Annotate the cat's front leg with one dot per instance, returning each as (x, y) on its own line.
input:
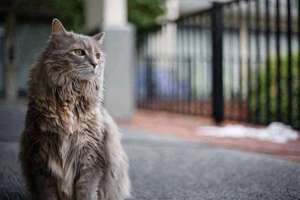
(87, 183)
(43, 187)
(39, 180)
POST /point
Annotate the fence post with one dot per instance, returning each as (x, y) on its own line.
(217, 62)
(150, 90)
(189, 85)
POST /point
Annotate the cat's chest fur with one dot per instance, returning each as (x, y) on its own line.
(73, 148)
(62, 165)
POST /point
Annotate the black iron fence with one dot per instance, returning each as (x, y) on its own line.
(237, 60)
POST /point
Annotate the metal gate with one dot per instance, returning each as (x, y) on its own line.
(237, 60)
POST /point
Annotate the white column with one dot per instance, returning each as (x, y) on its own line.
(114, 13)
(119, 48)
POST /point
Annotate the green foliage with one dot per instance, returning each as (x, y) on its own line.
(71, 12)
(260, 99)
(144, 13)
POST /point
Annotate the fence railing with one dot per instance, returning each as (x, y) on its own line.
(237, 60)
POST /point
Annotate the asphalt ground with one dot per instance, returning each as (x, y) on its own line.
(169, 168)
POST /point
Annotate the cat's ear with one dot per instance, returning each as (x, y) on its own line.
(99, 37)
(57, 26)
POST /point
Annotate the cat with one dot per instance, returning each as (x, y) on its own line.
(70, 147)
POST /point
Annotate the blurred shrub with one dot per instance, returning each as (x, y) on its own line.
(259, 98)
(144, 13)
(71, 12)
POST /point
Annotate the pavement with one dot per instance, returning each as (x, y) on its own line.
(170, 168)
(187, 127)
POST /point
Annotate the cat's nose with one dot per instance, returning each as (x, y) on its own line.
(94, 64)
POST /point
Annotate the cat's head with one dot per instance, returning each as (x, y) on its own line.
(74, 56)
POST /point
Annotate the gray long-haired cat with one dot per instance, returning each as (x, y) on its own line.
(71, 147)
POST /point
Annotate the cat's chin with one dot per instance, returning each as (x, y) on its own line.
(87, 76)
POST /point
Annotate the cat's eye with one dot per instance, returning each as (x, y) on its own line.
(79, 52)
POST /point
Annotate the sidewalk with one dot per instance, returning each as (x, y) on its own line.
(184, 126)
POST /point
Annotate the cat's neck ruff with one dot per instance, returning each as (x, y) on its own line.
(67, 107)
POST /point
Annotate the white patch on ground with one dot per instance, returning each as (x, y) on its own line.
(275, 132)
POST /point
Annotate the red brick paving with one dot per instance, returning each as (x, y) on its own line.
(185, 126)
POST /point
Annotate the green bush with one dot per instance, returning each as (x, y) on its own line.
(144, 13)
(260, 99)
(71, 12)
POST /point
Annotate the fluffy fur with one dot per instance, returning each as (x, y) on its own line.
(70, 148)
